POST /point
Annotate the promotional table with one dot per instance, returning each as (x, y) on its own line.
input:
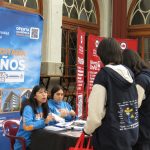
(44, 139)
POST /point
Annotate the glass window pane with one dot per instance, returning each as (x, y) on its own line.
(83, 15)
(32, 4)
(148, 20)
(92, 18)
(65, 12)
(18, 2)
(69, 2)
(72, 52)
(145, 5)
(137, 19)
(88, 5)
(79, 2)
(74, 13)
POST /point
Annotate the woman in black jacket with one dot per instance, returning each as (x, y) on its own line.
(112, 108)
(142, 77)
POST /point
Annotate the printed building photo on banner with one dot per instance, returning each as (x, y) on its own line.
(11, 99)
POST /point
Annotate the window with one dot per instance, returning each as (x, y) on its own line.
(80, 10)
(140, 13)
(76, 13)
(139, 26)
(31, 6)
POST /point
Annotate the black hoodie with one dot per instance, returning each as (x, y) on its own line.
(119, 129)
(143, 79)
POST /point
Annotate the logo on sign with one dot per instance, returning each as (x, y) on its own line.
(97, 43)
(22, 31)
(123, 45)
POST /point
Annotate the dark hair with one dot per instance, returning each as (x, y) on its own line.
(133, 61)
(33, 102)
(109, 51)
(55, 89)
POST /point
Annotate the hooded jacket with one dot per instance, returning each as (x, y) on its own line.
(113, 109)
(143, 80)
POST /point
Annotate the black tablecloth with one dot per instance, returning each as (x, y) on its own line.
(43, 139)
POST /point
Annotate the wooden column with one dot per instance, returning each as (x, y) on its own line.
(119, 28)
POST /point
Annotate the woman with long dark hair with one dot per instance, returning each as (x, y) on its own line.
(34, 115)
(141, 71)
(60, 107)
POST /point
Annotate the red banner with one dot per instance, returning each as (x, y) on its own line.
(80, 73)
(93, 62)
(128, 43)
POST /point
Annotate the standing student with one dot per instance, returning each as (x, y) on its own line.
(60, 107)
(34, 115)
(142, 77)
(112, 109)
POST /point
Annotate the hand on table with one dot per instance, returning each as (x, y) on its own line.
(49, 118)
(72, 113)
(63, 112)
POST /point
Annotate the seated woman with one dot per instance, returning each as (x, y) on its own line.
(60, 107)
(34, 115)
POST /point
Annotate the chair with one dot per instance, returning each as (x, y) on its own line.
(10, 128)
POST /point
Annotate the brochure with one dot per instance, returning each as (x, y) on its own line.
(53, 128)
(58, 118)
(73, 125)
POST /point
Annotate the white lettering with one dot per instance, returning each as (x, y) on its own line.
(6, 64)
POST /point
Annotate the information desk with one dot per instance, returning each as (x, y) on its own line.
(44, 139)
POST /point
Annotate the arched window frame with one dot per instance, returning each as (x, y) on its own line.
(136, 30)
(22, 8)
(73, 24)
(141, 32)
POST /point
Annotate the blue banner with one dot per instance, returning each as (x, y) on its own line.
(20, 59)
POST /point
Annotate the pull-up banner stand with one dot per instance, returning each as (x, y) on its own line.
(20, 61)
(94, 64)
(80, 72)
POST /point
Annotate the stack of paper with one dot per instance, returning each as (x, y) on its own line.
(74, 125)
(57, 118)
(53, 128)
